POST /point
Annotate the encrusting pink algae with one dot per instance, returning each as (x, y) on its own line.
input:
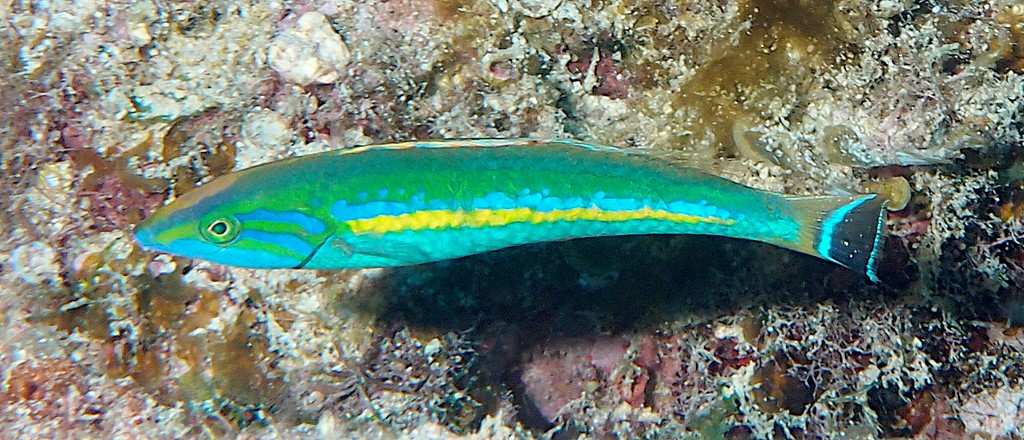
(111, 109)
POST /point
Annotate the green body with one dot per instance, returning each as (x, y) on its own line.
(417, 202)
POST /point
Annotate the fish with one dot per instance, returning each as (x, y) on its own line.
(417, 202)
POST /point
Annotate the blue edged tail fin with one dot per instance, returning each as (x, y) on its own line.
(844, 230)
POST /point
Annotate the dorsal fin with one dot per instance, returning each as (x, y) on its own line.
(478, 143)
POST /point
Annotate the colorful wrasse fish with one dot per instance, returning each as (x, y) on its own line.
(417, 202)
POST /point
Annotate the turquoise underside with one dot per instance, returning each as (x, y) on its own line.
(414, 247)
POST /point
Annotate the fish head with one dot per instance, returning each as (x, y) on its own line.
(235, 221)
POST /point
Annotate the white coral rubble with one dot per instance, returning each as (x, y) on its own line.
(310, 52)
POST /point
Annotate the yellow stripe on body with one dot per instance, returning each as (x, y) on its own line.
(480, 218)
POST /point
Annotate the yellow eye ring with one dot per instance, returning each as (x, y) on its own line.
(220, 230)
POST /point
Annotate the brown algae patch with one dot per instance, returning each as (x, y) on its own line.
(1008, 50)
(774, 56)
(170, 349)
(239, 368)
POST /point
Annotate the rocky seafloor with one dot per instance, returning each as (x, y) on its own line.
(110, 109)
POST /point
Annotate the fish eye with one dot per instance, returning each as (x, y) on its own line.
(220, 230)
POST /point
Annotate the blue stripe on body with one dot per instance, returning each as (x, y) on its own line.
(307, 223)
(342, 211)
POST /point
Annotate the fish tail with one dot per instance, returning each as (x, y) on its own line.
(844, 230)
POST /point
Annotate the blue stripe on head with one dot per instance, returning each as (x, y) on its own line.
(190, 247)
(285, 241)
(195, 248)
(308, 223)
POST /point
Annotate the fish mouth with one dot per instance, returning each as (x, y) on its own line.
(145, 233)
(144, 228)
(143, 237)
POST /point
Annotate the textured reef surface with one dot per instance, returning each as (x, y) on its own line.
(109, 109)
